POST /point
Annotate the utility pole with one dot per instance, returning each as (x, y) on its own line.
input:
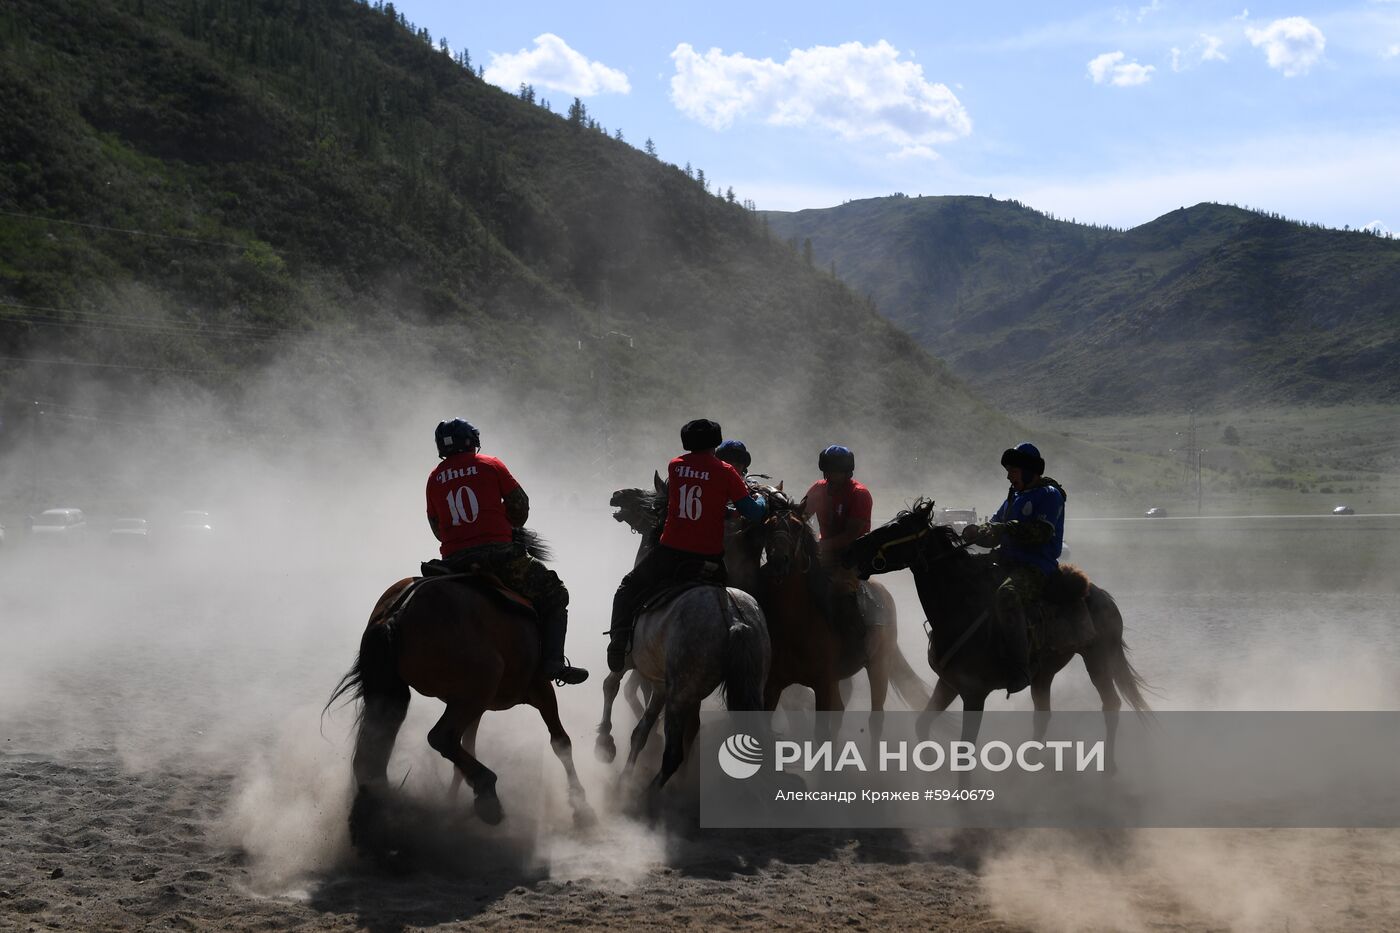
(1194, 456)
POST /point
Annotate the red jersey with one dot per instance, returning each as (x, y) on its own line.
(465, 494)
(841, 511)
(700, 487)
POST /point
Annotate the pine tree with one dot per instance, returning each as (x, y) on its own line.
(650, 148)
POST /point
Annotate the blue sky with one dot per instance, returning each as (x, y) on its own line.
(1105, 113)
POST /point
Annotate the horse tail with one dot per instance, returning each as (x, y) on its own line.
(745, 657)
(909, 685)
(374, 679)
(1108, 624)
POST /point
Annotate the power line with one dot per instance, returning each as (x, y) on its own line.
(126, 230)
(156, 369)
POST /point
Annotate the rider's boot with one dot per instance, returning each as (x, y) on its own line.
(1016, 638)
(555, 625)
(620, 632)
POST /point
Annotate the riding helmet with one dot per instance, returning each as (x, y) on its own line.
(455, 436)
(735, 454)
(837, 459)
(1026, 456)
(701, 434)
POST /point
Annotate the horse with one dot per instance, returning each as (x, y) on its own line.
(643, 511)
(956, 590)
(708, 637)
(796, 596)
(453, 640)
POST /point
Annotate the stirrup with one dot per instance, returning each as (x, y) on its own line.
(568, 675)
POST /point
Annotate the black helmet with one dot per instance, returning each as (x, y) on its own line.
(455, 436)
(735, 454)
(1026, 456)
(837, 459)
(701, 434)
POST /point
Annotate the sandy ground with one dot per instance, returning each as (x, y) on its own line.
(163, 766)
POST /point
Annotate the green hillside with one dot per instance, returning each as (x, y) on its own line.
(1206, 307)
(193, 189)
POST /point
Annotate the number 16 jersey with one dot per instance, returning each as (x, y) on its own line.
(700, 486)
(465, 494)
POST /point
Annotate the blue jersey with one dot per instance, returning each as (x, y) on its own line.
(1044, 503)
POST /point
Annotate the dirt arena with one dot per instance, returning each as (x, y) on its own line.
(165, 765)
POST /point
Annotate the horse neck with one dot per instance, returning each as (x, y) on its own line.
(943, 597)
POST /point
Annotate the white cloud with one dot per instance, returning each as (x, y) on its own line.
(1205, 49)
(1110, 68)
(854, 90)
(553, 64)
(1292, 45)
(1393, 51)
(1377, 227)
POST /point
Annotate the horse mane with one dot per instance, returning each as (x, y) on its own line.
(533, 544)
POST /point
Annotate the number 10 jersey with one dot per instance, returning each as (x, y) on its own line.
(465, 494)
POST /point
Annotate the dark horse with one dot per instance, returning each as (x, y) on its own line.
(956, 590)
(796, 596)
(453, 640)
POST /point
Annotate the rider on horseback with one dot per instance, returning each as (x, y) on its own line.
(736, 455)
(699, 487)
(842, 507)
(473, 503)
(1028, 532)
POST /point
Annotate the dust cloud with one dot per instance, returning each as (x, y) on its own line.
(213, 655)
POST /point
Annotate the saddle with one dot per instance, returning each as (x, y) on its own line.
(668, 594)
(480, 579)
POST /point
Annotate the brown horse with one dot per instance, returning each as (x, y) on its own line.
(795, 593)
(451, 640)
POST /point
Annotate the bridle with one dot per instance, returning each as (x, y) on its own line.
(878, 563)
(777, 529)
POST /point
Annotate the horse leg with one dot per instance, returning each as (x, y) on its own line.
(642, 731)
(605, 749)
(547, 703)
(469, 745)
(829, 707)
(632, 692)
(446, 739)
(973, 705)
(943, 697)
(1100, 667)
(677, 725)
(878, 671)
(1040, 698)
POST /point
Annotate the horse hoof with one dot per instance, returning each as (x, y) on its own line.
(584, 817)
(489, 809)
(923, 726)
(605, 749)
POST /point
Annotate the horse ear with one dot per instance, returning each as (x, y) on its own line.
(658, 483)
(780, 485)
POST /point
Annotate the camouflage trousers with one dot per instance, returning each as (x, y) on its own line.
(1025, 586)
(526, 575)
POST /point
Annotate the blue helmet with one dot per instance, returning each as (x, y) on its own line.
(837, 459)
(1026, 456)
(735, 454)
(456, 436)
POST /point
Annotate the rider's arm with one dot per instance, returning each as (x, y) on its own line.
(752, 507)
(517, 507)
(1031, 532)
(432, 523)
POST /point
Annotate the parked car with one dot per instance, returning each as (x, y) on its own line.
(1155, 512)
(958, 518)
(1343, 510)
(191, 527)
(59, 526)
(129, 532)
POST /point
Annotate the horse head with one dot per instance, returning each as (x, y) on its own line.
(894, 544)
(784, 535)
(638, 509)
